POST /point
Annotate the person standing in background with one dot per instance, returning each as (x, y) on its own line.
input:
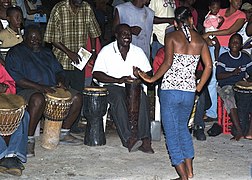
(140, 18)
(70, 24)
(163, 10)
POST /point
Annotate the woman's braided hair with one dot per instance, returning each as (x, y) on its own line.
(181, 16)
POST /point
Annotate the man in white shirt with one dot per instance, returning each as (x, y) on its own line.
(113, 67)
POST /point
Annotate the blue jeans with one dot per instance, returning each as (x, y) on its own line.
(176, 107)
(212, 86)
(18, 141)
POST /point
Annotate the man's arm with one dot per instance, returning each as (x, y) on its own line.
(72, 55)
(102, 77)
(27, 84)
(160, 20)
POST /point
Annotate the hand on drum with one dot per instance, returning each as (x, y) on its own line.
(3, 87)
(46, 89)
(124, 79)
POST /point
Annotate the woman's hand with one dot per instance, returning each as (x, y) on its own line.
(145, 77)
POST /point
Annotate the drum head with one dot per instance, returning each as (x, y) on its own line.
(101, 91)
(60, 94)
(11, 101)
(244, 85)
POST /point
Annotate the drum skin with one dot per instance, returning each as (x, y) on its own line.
(94, 108)
(57, 104)
(243, 87)
(12, 108)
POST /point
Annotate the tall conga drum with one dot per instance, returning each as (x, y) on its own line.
(56, 109)
(12, 108)
(243, 97)
(94, 108)
(133, 95)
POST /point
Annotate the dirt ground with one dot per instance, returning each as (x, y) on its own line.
(217, 158)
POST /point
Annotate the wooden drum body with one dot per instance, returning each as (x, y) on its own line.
(57, 107)
(12, 108)
(95, 107)
(133, 95)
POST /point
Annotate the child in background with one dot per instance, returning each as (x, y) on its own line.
(212, 22)
(11, 35)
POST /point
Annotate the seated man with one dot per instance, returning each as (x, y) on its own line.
(13, 147)
(113, 67)
(35, 71)
(232, 67)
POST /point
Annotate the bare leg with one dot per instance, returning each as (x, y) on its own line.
(7, 139)
(236, 123)
(181, 170)
(189, 167)
(73, 112)
(36, 108)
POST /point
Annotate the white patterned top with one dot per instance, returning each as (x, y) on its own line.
(181, 75)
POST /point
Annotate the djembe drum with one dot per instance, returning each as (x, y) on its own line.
(12, 108)
(243, 87)
(56, 109)
(94, 108)
(133, 95)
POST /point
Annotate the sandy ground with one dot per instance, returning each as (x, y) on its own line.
(218, 158)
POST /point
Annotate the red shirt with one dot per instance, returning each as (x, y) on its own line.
(8, 80)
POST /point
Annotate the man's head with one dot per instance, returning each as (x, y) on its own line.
(235, 43)
(247, 9)
(5, 3)
(33, 37)
(76, 3)
(14, 16)
(123, 35)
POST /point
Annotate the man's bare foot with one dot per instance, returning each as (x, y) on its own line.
(249, 137)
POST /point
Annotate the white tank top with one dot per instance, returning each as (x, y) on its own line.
(181, 75)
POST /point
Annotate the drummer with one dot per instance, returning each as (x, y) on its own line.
(113, 67)
(232, 67)
(35, 70)
(13, 147)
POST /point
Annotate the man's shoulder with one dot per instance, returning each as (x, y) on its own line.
(60, 5)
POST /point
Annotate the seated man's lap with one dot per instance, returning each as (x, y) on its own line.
(227, 95)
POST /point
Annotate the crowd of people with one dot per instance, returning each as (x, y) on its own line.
(160, 32)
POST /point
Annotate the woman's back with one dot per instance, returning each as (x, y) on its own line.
(180, 44)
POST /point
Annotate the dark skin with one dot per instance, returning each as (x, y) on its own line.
(124, 37)
(234, 6)
(175, 42)
(235, 45)
(4, 4)
(36, 104)
(136, 29)
(73, 56)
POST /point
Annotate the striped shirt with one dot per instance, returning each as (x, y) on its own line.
(71, 29)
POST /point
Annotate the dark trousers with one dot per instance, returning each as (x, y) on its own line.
(75, 79)
(200, 109)
(244, 107)
(119, 113)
